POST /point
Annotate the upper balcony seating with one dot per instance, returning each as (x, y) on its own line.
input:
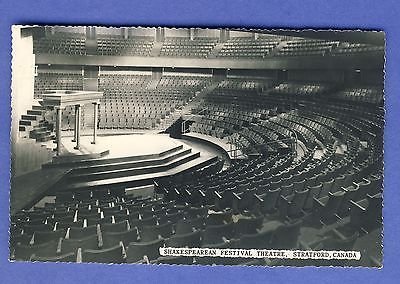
(184, 47)
(248, 47)
(349, 49)
(307, 47)
(60, 45)
(139, 46)
(305, 89)
(372, 94)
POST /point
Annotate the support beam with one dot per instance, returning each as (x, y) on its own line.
(95, 113)
(78, 128)
(58, 129)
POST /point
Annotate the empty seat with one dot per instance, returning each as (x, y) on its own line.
(111, 239)
(116, 227)
(248, 225)
(136, 252)
(192, 240)
(185, 226)
(173, 260)
(24, 252)
(150, 233)
(46, 236)
(286, 236)
(260, 240)
(30, 229)
(80, 233)
(68, 257)
(109, 255)
(218, 218)
(215, 234)
(71, 245)
(65, 225)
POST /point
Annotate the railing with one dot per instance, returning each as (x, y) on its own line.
(183, 125)
(233, 148)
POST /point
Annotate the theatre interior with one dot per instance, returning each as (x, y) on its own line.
(128, 139)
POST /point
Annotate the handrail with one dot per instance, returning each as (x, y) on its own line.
(191, 116)
(234, 150)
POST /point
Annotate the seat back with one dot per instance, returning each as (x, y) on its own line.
(150, 233)
(68, 257)
(260, 240)
(218, 218)
(286, 236)
(313, 192)
(192, 240)
(24, 252)
(298, 202)
(80, 233)
(248, 225)
(136, 251)
(111, 239)
(117, 227)
(270, 200)
(214, 234)
(109, 255)
(47, 236)
(71, 245)
(340, 244)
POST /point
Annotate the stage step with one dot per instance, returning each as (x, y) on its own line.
(34, 112)
(39, 133)
(142, 179)
(118, 173)
(30, 117)
(37, 107)
(132, 164)
(77, 161)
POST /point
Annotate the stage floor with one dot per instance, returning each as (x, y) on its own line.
(122, 145)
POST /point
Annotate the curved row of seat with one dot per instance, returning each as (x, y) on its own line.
(235, 47)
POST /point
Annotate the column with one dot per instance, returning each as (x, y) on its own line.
(78, 126)
(95, 113)
(58, 130)
(75, 124)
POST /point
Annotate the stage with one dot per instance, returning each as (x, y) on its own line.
(120, 145)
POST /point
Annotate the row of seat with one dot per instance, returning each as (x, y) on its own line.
(241, 47)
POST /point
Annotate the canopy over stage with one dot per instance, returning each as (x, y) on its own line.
(59, 99)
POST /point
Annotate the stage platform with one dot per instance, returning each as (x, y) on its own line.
(117, 161)
(127, 160)
(120, 145)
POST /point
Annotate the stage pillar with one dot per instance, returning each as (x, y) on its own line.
(95, 113)
(58, 129)
(78, 126)
(75, 124)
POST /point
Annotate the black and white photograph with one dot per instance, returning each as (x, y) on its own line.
(197, 146)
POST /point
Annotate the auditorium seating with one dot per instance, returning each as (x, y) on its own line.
(184, 47)
(348, 49)
(371, 94)
(129, 103)
(125, 47)
(248, 47)
(306, 47)
(60, 45)
(262, 47)
(307, 160)
(57, 81)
